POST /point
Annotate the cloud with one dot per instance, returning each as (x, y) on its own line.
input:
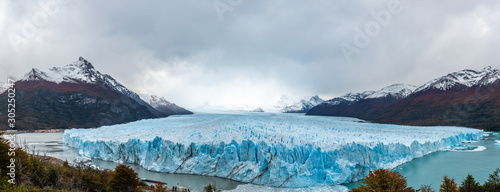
(261, 50)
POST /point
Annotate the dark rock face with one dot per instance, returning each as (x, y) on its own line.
(477, 107)
(173, 110)
(364, 109)
(47, 105)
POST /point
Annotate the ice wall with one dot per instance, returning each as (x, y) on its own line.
(266, 149)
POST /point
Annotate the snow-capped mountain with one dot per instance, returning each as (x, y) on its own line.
(349, 97)
(161, 104)
(287, 104)
(80, 71)
(75, 95)
(467, 78)
(398, 91)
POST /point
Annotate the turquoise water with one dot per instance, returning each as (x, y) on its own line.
(428, 170)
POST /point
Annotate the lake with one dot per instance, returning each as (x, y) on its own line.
(427, 170)
(430, 169)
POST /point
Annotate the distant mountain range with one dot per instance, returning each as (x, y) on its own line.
(77, 95)
(363, 105)
(468, 98)
(166, 107)
(287, 104)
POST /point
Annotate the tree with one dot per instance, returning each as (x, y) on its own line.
(382, 180)
(159, 187)
(124, 179)
(493, 182)
(211, 188)
(448, 185)
(52, 176)
(469, 185)
(426, 188)
(4, 157)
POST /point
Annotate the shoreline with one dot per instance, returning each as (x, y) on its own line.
(32, 131)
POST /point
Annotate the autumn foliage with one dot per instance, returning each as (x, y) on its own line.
(382, 180)
(448, 185)
(33, 174)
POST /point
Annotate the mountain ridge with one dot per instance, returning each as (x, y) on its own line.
(463, 98)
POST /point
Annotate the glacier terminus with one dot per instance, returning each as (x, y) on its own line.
(272, 149)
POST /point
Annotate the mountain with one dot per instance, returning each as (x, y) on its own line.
(363, 105)
(463, 78)
(469, 98)
(287, 104)
(166, 107)
(75, 95)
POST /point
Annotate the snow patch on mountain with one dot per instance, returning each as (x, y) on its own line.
(156, 101)
(465, 77)
(399, 91)
(76, 72)
(3, 87)
(356, 96)
(161, 104)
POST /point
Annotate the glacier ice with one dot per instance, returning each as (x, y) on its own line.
(279, 150)
(260, 188)
(497, 142)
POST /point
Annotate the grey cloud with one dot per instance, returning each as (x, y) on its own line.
(292, 45)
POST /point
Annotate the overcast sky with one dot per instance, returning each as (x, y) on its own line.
(235, 52)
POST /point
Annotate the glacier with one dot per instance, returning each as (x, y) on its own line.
(272, 149)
